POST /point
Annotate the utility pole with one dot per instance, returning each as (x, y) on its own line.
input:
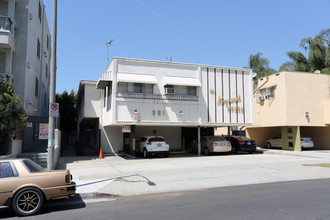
(52, 90)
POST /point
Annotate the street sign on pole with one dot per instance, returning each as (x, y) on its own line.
(54, 110)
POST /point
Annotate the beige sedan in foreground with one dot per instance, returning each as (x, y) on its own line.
(211, 144)
(24, 185)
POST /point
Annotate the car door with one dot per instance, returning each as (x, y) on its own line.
(276, 142)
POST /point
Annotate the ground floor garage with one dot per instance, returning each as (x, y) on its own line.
(320, 135)
(114, 139)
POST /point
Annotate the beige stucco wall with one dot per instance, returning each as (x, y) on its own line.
(296, 93)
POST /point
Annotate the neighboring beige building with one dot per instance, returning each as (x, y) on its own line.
(294, 105)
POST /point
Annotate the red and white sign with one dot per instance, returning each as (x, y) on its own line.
(136, 117)
(54, 110)
(126, 129)
(43, 131)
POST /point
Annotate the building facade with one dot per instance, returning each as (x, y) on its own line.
(173, 100)
(25, 55)
(292, 105)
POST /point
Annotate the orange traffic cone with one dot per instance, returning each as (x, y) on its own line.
(101, 155)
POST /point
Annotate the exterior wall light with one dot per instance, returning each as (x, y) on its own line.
(307, 114)
(181, 113)
(135, 111)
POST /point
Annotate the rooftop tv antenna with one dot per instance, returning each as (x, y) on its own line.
(170, 58)
(108, 45)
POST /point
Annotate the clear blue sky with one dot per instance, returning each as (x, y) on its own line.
(215, 32)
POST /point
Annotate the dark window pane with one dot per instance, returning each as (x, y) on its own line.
(32, 166)
(5, 170)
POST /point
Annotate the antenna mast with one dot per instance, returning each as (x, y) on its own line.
(108, 45)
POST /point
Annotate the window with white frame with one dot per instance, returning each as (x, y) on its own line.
(267, 93)
(124, 87)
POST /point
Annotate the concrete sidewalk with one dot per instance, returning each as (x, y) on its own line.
(119, 175)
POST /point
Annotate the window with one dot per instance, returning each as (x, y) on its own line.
(135, 88)
(268, 93)
(45, 100)
(38, 49)
(46, 71)
(6, 170)
(32, 167)
(39, 12)
(2, 62)
(36, 89)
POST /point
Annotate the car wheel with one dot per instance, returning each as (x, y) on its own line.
(145, 153)
(268, 145)
(166, 154)
(27, 201)
(206, 151)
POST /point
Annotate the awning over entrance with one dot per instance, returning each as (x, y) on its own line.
(136, 78)
(104, 79)
(182, 81)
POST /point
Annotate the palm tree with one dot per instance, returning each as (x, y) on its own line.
(318, 50)
(260, 65)
(300, 63)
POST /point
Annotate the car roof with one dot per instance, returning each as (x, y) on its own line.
(152, 137)
(12, 159)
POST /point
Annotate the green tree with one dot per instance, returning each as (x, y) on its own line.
(260, 65)
(11, 116)
(68, 111)
(318, 50)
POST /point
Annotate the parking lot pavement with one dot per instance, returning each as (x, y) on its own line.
(119, 175)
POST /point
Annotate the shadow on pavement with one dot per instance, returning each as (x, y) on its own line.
(51, 206)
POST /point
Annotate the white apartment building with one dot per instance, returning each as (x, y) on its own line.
(25, 57)
(135, 98)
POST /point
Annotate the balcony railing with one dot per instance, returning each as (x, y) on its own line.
(157, 97)
(5, 23)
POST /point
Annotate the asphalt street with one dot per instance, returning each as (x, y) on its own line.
(303, 200)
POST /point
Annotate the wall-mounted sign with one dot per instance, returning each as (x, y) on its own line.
(29, 124)
(126, 129)
(158, 112)
(136, 117)
(43, 131)
(221, 100)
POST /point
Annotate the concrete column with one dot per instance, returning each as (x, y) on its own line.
(199, 141)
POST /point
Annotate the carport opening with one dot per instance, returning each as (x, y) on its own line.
(190, 134)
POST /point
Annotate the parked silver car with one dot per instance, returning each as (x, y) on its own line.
(276, 142)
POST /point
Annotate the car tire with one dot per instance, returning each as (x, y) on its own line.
(206, 151)
(234, 150)
(268, 145)
(145, 153)
(166, 154)
(27, 201)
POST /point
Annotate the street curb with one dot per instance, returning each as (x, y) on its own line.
(95, 195)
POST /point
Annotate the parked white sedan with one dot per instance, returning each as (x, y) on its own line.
(150, 145)
(276, 142)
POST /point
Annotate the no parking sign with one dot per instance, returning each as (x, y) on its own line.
(54, 110)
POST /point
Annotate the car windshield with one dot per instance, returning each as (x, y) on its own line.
(32, 167)
(156, 139)
(216, 138)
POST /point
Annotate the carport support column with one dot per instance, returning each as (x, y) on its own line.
(199, 140)
(228, 133)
